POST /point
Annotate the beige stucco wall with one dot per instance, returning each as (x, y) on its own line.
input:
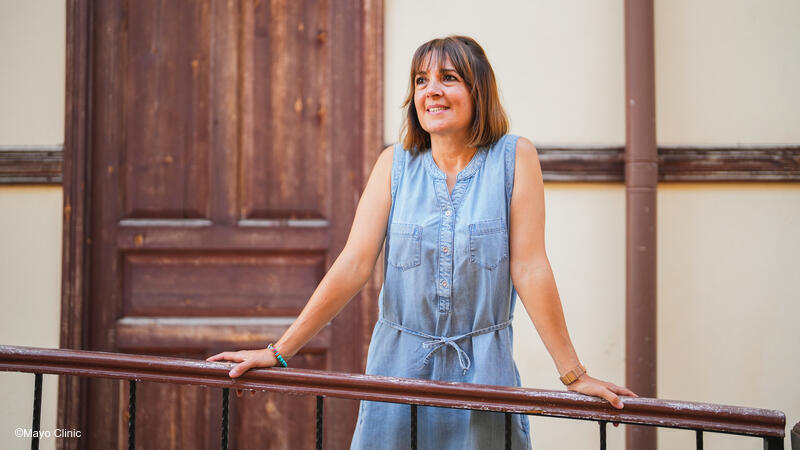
(32, 43)
(728, 301)
(30, 286)
(727, 71)
(726, 252)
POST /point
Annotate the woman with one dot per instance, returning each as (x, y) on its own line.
(460, 207)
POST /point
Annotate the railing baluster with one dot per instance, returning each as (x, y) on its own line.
(773, 443)
(508, 431)
(319, 422)
(699, 439)
(413, 427)
(602, 434)
(37, 410)
(224, 418)
(131, 414)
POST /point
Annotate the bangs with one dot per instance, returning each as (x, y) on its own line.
(437, 53)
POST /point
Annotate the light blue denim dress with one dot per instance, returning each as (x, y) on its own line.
(447, 300)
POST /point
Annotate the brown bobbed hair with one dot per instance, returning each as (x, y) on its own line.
(489, 121)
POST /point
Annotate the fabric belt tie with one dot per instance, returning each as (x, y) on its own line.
(437, 342)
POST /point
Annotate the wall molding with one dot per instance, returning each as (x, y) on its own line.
(729, 164)
(582, 163)
(44, 164)
(743, 164)
(31, 164)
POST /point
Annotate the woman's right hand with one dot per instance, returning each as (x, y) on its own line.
(247, 360)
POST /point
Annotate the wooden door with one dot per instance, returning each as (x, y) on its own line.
(227, 156)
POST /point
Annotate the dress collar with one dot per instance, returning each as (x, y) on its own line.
(472, 167)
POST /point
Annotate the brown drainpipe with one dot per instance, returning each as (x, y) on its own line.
(641, 180)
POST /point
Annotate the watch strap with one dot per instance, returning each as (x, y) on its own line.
(571, 376)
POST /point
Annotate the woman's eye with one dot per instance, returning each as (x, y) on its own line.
(450, 78)
(419, 80)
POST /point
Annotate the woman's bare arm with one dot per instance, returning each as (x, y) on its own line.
(346, 277)
(533, 277)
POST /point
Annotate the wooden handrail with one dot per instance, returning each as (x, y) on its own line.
(641, 411)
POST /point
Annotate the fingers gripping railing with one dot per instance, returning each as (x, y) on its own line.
(766, 424)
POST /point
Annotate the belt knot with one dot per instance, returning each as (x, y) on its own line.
(437, 342)
(441, 341)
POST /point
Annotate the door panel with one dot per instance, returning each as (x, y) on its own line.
(214, 284)
(166, 103)
(286, 82)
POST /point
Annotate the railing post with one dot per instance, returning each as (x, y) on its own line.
(37, 410)
(413, 427)
(131, 414)
(602, 434)
(224, 418)
(508, 431)
(773, 443)
(319, 422)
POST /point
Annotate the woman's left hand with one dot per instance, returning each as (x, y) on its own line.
(599, 388)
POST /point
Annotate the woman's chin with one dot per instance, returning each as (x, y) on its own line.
(441, 129)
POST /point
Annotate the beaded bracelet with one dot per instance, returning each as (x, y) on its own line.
(277, 355)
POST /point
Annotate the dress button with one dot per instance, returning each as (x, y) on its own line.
(444, 283)
(447, 213)
(445, 249)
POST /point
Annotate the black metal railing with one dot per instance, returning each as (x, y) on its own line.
(700, 417)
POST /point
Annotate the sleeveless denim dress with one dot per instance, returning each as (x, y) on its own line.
(447, 300)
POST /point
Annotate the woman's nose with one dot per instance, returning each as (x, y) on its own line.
(434, 89)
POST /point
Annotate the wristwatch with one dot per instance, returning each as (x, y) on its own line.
(571, 376)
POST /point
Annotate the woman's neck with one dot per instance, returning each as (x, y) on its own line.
(450, 153)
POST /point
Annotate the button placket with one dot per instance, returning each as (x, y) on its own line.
(446, 237)
(449, 203)
(444, 305)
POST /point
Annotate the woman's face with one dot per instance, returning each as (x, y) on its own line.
(442, 99)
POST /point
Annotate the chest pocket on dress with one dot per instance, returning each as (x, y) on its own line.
(488, 243)
(405, 245)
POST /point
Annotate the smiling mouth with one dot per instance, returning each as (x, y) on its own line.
(437, 109)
